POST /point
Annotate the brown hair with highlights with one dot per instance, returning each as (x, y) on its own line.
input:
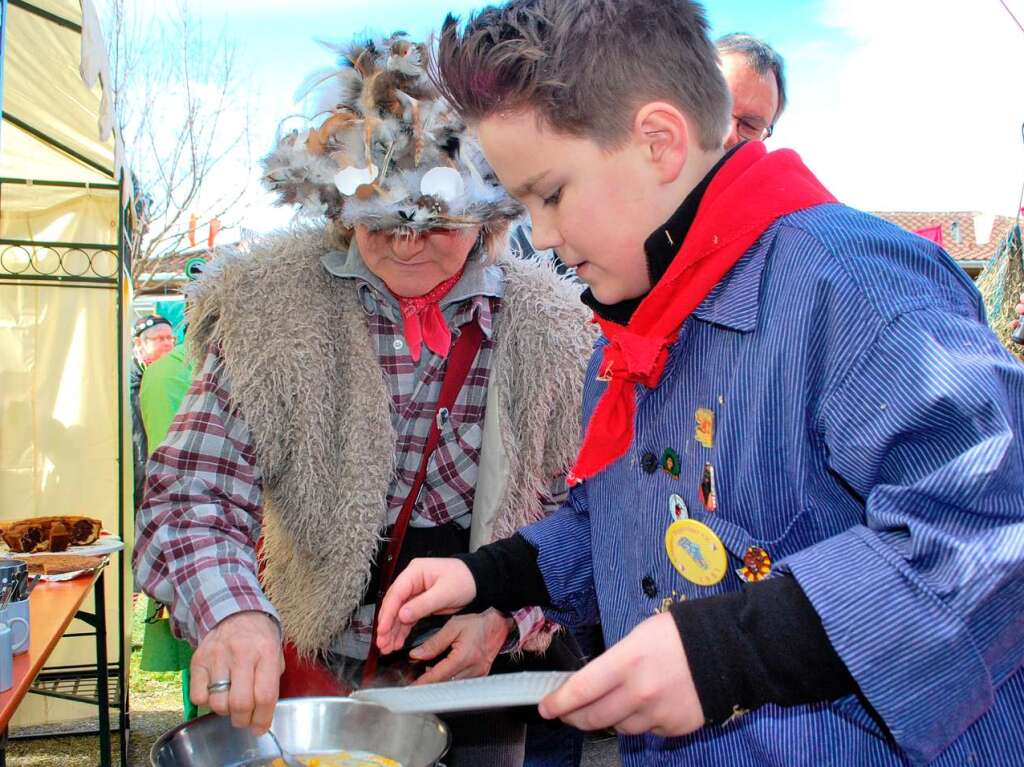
(585, 66)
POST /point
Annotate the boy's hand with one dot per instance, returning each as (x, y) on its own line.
(475, 641)
(641, 684)
(426, 587)
(1019, 308)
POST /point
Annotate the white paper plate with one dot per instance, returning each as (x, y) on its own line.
(63, 576)
(107, 543)
(526, 688)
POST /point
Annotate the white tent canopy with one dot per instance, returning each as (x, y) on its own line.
(63, 297)
(48, 55)
(57, 124)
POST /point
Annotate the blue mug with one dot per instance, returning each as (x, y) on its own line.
(6, 658)
(18, 611)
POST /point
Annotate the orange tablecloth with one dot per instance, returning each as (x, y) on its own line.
(51, 608)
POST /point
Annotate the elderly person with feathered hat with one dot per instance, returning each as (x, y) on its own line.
(387, 383)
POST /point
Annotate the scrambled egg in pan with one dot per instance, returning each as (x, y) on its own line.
(343, 759)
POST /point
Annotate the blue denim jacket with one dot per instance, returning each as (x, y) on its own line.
(867, 435)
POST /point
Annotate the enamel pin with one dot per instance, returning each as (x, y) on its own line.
(708, 496)
(670, 462)
(677, 508)
(705, 431)
(696, 552)
(757, 563)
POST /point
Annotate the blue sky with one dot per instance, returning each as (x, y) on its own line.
(282, 48)
(895, 104)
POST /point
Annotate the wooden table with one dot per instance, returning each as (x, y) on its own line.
(52, 607)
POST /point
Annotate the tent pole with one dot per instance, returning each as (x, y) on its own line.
(52, 17)
(56, 144)
(3, 44)
(122, 659)
(61, 184)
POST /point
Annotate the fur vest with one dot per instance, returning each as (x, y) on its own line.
(303, 374)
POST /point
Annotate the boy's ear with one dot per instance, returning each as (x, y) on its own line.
(663, 134)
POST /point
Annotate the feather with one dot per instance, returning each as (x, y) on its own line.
(376, 107)
(314, 81)
(385, 94)
(318, 140)
(409, 62)
(386, 164)
(341, 92)
(466, 158)
(283, 133)
(364, 59)
(338, 49)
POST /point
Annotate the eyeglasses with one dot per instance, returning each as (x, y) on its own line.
(751, 130)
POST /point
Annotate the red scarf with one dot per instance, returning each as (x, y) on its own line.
(744, 198)
(422, 321)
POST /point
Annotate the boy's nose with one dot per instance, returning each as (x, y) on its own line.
(406, 247)
(545, 236)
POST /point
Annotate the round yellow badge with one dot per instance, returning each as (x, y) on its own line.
(696, 552)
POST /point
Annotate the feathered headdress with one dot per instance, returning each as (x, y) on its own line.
(384, 150)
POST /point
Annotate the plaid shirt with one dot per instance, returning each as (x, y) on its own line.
(197, 529)
(447, 494)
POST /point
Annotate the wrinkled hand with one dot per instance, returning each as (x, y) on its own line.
(641, 684)
(475, 641)
(426, 587)
(245, 648)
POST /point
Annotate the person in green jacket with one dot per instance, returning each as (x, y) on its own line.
(164, 385)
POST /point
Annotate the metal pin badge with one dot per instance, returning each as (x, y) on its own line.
(757, 564)
(708, 494)
(705, 431)
(677, 508)
(670, 462)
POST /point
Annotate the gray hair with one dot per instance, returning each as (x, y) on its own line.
(760, 57)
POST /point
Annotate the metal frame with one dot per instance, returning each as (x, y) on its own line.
(8, 117)
(104, 672)
(49, 681)
(58, 20)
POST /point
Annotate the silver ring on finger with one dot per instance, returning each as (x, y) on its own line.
(222, 685)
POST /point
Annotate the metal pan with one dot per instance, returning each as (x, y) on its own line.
(306, 727)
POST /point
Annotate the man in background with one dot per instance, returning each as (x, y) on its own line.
(163, 387)
(152, 337)
(755, 74)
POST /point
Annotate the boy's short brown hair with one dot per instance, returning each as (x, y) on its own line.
(585, 66)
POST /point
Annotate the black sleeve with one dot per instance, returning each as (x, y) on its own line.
(507, 576)
(763, 644)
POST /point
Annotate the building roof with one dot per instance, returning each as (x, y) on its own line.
(170, 276)
(958, 232)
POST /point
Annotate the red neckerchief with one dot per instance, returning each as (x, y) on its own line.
(750, 191)
(422, 321)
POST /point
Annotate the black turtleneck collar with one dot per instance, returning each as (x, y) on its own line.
(660, 248)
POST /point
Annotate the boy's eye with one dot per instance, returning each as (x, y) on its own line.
(554, 198)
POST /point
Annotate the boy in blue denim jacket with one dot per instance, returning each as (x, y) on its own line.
(799, 516)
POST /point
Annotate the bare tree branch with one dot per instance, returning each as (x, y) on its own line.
(184, 123)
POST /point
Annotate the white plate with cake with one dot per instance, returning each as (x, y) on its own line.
(25, 538)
